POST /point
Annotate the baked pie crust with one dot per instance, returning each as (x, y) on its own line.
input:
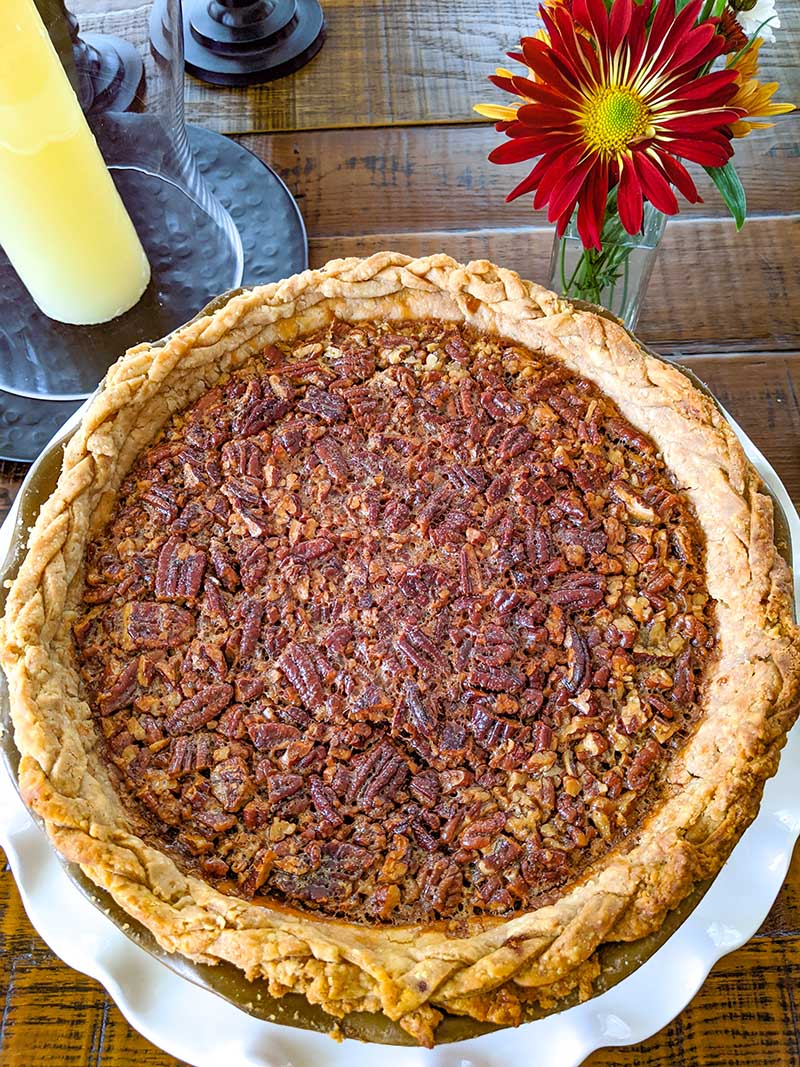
(489, 967)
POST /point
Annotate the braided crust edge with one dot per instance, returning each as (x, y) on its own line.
(713, 787)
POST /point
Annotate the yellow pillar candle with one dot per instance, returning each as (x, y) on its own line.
(63, 225)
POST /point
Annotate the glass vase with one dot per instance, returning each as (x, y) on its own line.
(617, 276)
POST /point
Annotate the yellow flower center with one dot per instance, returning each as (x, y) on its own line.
(614, 116)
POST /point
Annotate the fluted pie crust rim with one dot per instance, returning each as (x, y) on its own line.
(411, 973)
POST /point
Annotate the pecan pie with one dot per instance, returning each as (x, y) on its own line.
(401, 633)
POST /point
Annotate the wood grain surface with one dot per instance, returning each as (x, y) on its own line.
(377, 140)
(389, 63)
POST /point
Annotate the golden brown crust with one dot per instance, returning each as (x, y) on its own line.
(409, 972)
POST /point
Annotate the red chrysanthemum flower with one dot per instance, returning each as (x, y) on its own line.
(613, 102)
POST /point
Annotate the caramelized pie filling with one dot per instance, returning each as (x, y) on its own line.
(400, 624)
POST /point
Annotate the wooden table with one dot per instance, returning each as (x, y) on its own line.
(377, 141)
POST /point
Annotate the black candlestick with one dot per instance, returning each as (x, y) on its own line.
(241, 42)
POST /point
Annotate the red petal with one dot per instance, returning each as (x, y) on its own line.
(619, 23)
(663, 19)
(708, 89)
(707, 152)
(547, 170)
(592, 207)
(697, 123)
(670, 31)
(692, 63)
(574, 179)
(514, 128)
(566, 47)
(637, 38)
(710, 86)
(550, 70)
(563, 221)
(542, 116)
(695, 43)
(503, 83)
(535, 52)
(553, 140)
(679, 176)
(545, 94)
(555, 173)
(530, 182)
(514, 151)
(591, 67)
(654, 185)
(523, 85)
(593, 16)
(546, 64)
(551, 29)
(629, 198)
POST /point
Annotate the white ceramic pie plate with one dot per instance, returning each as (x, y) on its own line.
(199, 1027)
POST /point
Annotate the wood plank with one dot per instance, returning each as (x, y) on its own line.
(11, 474)
(387, 63)
(783, 920)
(383, 63)
(693, 303)
(53, 1016)
(438, 178)
(79, 8)
(763, 395)
(415, 62)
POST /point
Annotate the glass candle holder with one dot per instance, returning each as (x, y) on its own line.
(63, 224)
(209, 215)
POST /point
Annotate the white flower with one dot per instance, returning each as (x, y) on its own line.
(752, 19)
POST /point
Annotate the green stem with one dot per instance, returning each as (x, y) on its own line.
(596, 272)
(564, 286)
(625, 287)
(578, 266)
